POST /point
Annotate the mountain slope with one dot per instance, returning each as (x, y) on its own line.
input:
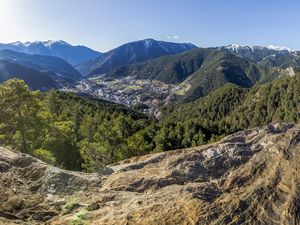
(251, 177)
(72, 54)
(221, 69)
(213, 107)
(231, 108)
(133, 52)
(169, 69)
(35, 79)
(42, 63)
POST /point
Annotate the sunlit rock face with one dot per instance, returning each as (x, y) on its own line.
(251, 177)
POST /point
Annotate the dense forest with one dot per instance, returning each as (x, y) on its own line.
(81, 133)
(231, 108)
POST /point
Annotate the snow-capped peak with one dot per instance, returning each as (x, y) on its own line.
(47, 44)
(236, 47)
(17, 43)
(280, 48)
(148, 42)
(233, 47)
(51, 42)
(26, 44)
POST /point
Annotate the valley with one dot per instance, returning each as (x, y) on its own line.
(146, 95)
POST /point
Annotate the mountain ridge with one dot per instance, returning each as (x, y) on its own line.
(43, 63)
(278, 56)
(72, 54)
(237, 47)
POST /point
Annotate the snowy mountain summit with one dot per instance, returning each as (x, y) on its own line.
(237, 48)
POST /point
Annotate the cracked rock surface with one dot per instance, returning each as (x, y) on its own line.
(250, 177)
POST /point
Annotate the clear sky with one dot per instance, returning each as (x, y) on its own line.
(105, 24)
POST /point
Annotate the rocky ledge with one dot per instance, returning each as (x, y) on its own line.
(251, 177)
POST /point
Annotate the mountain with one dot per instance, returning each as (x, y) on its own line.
(35, 79)
(250, 177)
(72, 54)
(133, 52)
(169, 69)
(278, 56)
(56, 65)
(222, 68)
(204, 69)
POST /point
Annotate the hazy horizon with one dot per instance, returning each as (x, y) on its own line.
(105, 24)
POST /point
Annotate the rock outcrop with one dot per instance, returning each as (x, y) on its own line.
(251, 177)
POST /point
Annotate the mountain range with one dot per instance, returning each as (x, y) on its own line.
(72, 54)
(204, 69)
(270, 56)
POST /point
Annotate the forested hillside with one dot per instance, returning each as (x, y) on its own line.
(232, 108)
(37, 80)
(86, 134)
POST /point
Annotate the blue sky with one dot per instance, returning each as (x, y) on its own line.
(105, 24)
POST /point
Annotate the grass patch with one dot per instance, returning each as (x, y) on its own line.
(79, 218)
(70, 204)
(133, 87)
